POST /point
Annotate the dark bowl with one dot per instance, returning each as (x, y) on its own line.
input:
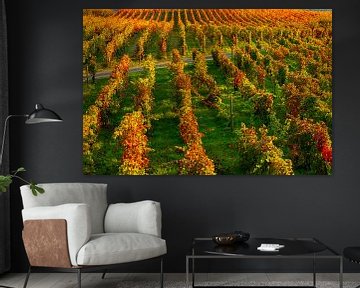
(231, 238)
(225, 239)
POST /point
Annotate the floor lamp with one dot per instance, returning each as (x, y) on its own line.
(39, 115)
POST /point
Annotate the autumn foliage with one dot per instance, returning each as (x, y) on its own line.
(131, 134)
(260, 155)
(195, 161)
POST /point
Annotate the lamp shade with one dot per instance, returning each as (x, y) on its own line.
(42, 115)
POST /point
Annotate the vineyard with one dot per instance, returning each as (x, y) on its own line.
(207, 92)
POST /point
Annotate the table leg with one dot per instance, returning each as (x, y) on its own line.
(187, 272)
(314, 271)
(193, 268)
(193, 272)
(341, 273)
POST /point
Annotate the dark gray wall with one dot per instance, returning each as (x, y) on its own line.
(45, 43)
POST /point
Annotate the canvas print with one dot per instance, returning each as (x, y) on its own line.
(207, 92)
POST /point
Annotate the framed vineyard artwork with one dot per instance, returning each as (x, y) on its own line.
(207, 92)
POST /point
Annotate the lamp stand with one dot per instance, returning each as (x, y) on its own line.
(4, 135)
(2, 152)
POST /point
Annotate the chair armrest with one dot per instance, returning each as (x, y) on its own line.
(77, 218)
(138, 217)
(52, 250)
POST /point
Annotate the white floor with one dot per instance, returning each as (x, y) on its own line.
(114, 280)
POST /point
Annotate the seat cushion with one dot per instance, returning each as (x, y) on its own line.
(352, 253)
(113, 248)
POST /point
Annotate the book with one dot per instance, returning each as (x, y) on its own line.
(270, 247)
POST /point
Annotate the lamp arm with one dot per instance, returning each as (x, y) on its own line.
(4, 134)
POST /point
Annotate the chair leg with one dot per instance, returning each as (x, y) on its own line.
(161, 273)
(27, 277)
(103, 275)
(79, 277)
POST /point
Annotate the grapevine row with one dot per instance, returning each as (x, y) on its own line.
(195, 161)
(131, 134)
(95, 117)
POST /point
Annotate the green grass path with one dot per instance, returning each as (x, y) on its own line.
(219, 141)
(164, 135)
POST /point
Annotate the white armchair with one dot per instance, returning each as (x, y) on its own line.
(72, 228)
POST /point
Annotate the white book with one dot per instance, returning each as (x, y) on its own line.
(270, 247)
